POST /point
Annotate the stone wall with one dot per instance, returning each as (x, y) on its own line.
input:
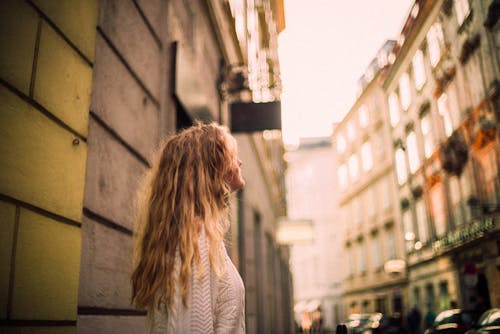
(46, 66)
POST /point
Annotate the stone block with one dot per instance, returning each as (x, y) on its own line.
(38, 330)
(112, 177)
(63, 81)
(119, 100)
(153, 10)
(106, 267)
(40, 163)
(90, 324)
(46, 269)
(76, 19)
(7, 223)
(18, 23)
(123, 25)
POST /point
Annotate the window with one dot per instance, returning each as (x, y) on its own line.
(422, 224)
(341, 144)
(411, 146)
(366, 156)
(462, 10)
(404, 91)
(384, 191)
(438, 209)
(363, 116)
(351, 133)
(391, 245)
(419, 69)
(416, 296)
(444, 296)
(343, 177)
(361, 257)
(401, 170)
(435, 42)
(489, 175)
(475, 85)
(408, 229)
(465, 185)
(428, 138)
(455, 198)
(394, 109)
(350, 259)
(377, 260)
(444, 111)
(430, 296)
(353, 167)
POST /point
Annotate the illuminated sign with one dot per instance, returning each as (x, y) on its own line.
(395, 266)
(294, 231)
(471, 231)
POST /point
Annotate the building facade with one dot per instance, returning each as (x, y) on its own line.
(373, 248)
(87, 91)
(312, 196)
(442, 93)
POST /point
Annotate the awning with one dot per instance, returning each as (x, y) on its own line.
(252, 116)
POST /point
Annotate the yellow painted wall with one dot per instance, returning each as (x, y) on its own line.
(45, 86)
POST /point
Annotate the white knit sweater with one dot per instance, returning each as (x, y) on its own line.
(215, 304)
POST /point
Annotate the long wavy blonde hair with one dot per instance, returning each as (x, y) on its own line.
(187, 188)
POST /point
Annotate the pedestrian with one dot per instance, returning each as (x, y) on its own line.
(414, 319)
(429, 317)
(182, 273)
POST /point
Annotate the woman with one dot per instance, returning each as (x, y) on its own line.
(183, 275)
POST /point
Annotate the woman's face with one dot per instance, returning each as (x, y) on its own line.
(235, 178)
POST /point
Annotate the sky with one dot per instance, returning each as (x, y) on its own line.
(324, 49)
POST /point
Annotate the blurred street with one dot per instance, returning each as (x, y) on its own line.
(387, 224)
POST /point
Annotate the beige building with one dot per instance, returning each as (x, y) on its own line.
(87, 90)
(316, 264)
(442, 92)
(373, 248)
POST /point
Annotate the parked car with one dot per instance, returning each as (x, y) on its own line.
(456, 321)
(385, 324)
(356, 322)
(488, 323)
(373, 324)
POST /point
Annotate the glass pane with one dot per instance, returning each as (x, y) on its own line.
(404, 91)
(367, 158)
(394, 109)
(419, 69)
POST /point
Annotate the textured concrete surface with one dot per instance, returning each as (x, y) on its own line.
(76, 19)
(152, 9)
(111, 324)
(122, 24)
(40, 164)
(46, 269)
(18, 43)
(105, 268)
(121, 102)
(112, 175)
(63, 81)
